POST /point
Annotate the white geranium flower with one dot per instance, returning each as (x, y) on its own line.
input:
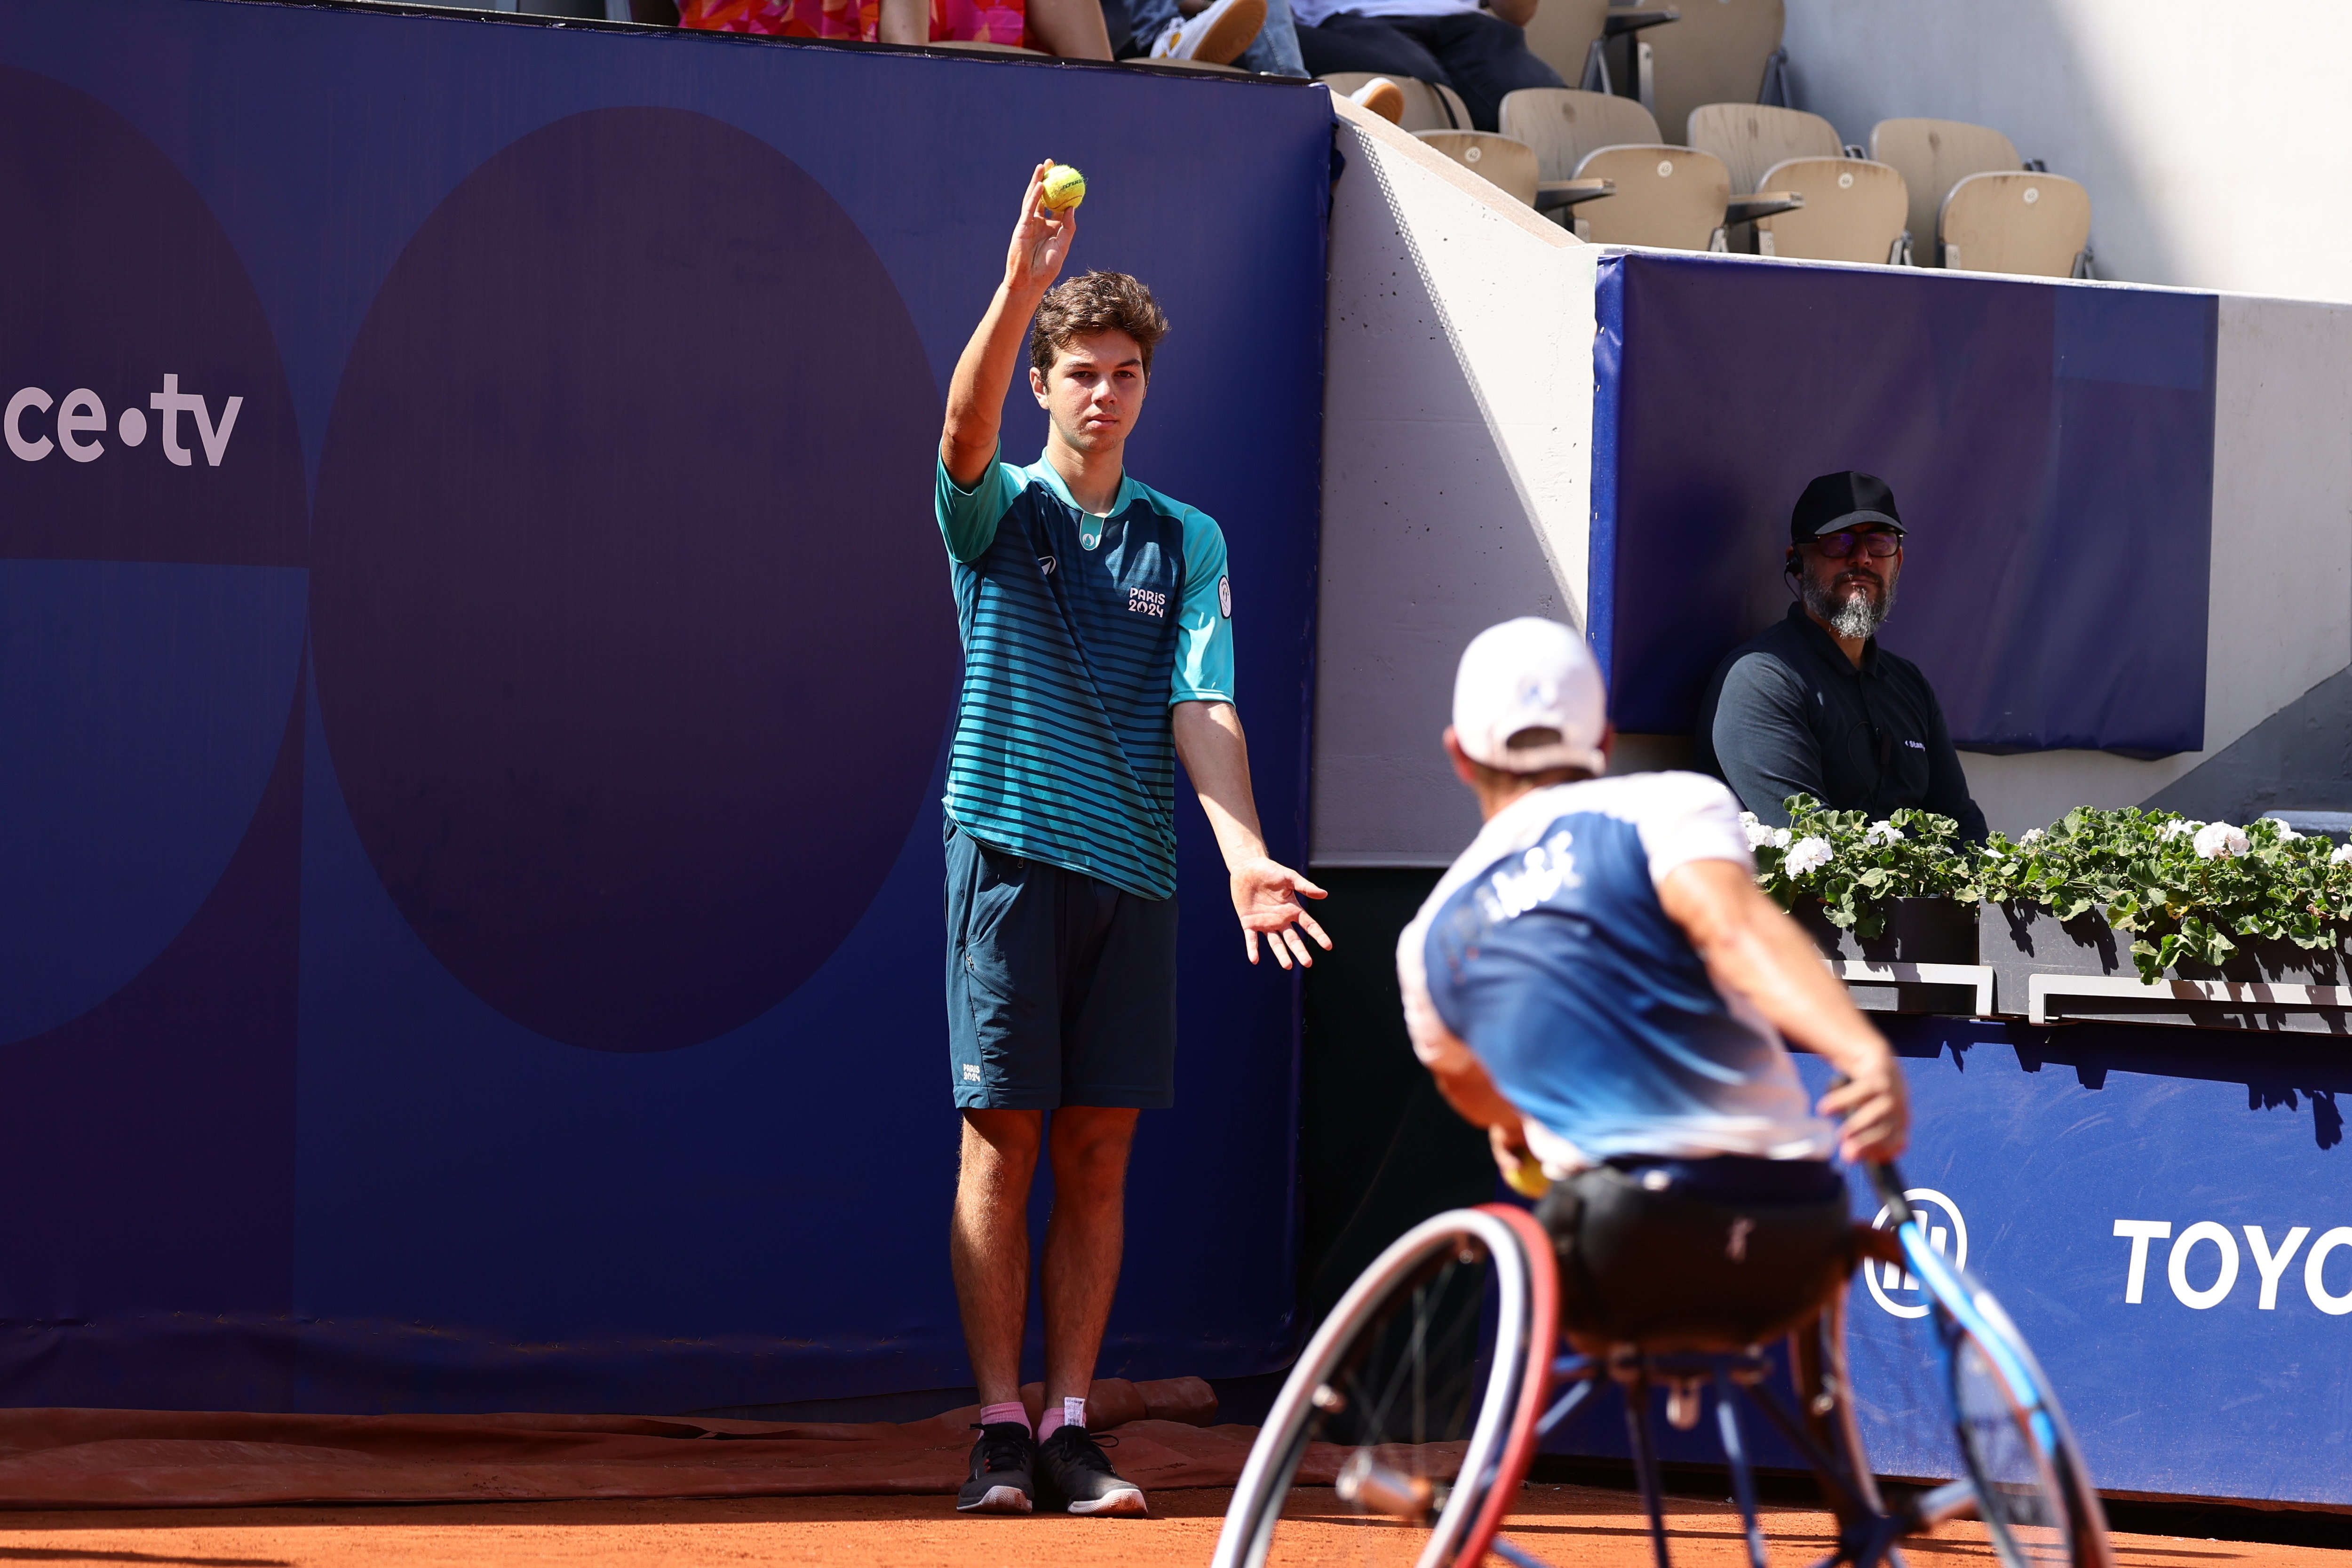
(1758, 833)
(2219, 841)
(2032, 836)
(1807, 854)
(2286, 833)
(1882, 833)
(2343, 854)
(2176, 827)
(1779, 838)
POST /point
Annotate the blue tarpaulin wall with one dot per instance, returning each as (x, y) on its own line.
(2183, 1371)
(474, 659)
(2051, 445)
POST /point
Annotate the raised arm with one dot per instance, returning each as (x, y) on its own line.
(1753, 949)
(1266, 892)
(1041, 240)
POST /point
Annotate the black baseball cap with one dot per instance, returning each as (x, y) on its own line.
(1848, 499)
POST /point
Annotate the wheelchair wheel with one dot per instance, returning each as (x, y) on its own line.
(1430, 1373)
(2033, 1493)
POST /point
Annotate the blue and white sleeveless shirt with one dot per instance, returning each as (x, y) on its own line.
(1545, 953)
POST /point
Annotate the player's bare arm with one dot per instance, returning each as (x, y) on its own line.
(1266, 892)
(1041, 242)
(1752, 948)
(1474, 1097)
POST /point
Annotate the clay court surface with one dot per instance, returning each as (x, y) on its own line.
(1566, 1525)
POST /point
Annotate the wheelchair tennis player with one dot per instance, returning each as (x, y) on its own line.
(1599, 982)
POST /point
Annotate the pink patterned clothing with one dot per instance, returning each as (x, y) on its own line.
(952, 21)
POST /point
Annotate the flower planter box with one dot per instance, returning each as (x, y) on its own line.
(2271, 986)
(1918, 931)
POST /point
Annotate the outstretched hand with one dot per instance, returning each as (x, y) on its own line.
(1266, 897)
(1041, 240)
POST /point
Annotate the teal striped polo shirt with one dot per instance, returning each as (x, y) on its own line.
(1078, 634)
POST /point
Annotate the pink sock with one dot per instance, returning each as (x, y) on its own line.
(1011, 1410)
(1073, 1413)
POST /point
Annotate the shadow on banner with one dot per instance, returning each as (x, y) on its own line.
(2050, 445)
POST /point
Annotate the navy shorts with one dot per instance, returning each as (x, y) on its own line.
(1061, 989)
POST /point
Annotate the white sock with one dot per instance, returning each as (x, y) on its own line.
(1073, 1413)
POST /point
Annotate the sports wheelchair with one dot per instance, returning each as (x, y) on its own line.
(1451, 1343)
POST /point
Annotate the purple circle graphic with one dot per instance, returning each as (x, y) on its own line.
(627, 602)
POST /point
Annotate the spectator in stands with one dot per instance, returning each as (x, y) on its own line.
(1252, 35)
(1814, 706)
(1070, 28)
(1479, 53)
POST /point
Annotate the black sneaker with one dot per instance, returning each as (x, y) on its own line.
(1001, 1462)
(1073, 1472)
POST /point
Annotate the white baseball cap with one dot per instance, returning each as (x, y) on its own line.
(1530, 674)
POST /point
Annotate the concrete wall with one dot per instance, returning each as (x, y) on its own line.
(2214, 137)
(1457, 474)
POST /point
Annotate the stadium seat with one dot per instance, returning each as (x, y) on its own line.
(1508, 163)
(1428, 106)
(1592, 146)
(1853, 211)
(1934, 155)
(2017, 221)
(1722, 51)
(1570, 36)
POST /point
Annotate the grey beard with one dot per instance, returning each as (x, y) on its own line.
(1854, 616)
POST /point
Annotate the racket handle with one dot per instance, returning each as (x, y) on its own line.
(1884, 1179)
(1889, 1182)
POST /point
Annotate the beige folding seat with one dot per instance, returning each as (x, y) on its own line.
(1428, 105)
(1669, 196)
(2017, 221)
(1594, 147)
(1719, 52)
(1569, 35)
(1934, 155)
(1509, 164)
(1854, 210)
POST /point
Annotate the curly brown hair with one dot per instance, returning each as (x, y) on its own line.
(1096, 302)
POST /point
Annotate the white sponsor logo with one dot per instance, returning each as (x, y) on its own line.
(1046, 564)
(36, 425)
(1916, 745)
(970, 1072)
(1949, 1239)
(1225, 597)
(1144, 602)
(2270, 1263)
(1542, 872)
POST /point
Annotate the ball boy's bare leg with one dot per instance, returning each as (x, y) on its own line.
(988, 1244)
(1084, 1241)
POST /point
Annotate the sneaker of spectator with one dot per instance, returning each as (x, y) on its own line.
(1382, 97)
(1217, 36)
(1148, 25)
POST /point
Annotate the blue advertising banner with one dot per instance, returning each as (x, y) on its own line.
(2168, 1219)
(2051, 445)
(476, 656)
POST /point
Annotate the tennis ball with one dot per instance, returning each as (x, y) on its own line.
(1527, 1179)
(1065, 187)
